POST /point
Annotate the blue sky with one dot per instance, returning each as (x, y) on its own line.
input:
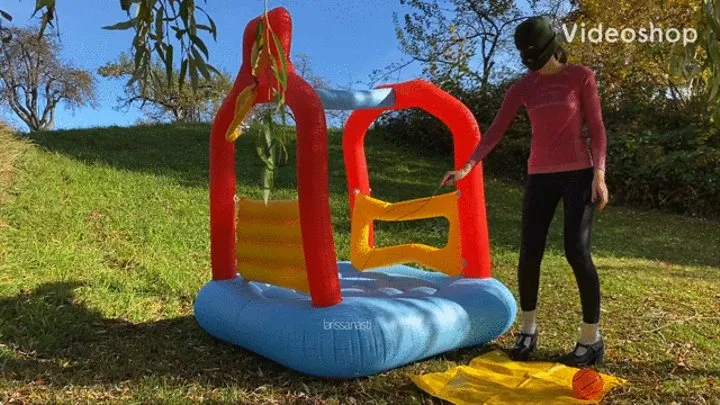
(346, 41)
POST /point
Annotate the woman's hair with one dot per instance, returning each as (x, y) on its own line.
(561, 55)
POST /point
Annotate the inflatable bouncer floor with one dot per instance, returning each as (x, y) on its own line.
(388, 317)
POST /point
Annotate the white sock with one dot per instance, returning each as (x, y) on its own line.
(528, 322)
(589, 334)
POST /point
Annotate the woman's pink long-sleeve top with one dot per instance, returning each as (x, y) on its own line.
(558, 105)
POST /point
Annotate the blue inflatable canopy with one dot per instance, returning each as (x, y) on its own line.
(356, 99)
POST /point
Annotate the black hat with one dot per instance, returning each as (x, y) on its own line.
(537, 42)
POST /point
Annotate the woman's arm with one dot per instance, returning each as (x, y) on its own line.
(511, 103)
(598, 138)
(593, 117)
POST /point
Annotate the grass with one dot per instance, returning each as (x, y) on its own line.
(104, 244)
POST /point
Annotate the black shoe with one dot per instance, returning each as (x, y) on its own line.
(593, 356)
(523, 346)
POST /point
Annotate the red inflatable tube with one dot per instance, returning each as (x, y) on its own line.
(312, 163)
(466, 135)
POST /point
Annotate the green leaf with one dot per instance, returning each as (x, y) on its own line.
(283, 63)
(213, 69)
(5, 15)
(193, 72)
(262, 150)
(139, 71)
(259, 37)
(712, 16)
(156, 79)
(283, 113)
(201, 65)
(715, 86)
(715, 81)
(183, 71)
(122, 25)
(169, 64)
(268, 180)
(44, 21)
(716, 116)
(713, 48)
(125, 4)
(145, 12)
(283, 153)
(213, 28)
(159, 31)
(200, 44)
(184, 10)
(39, 4)
(160, 52)
(268, 130)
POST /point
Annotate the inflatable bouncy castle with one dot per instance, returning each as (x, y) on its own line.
(277, 287)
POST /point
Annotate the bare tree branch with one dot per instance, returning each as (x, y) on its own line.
(161, 100)
(34, 82)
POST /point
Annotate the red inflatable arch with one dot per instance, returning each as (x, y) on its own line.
(466, 135)
(312, 169)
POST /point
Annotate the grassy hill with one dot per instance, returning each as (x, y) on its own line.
(104, 244)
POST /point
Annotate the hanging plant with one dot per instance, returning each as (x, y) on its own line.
(270, 142)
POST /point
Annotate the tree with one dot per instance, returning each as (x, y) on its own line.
(303, 66)
(640, 71)
(33, 81)
(711, 14)
(157, 25)
(459, 42)
(456, 41)
(162, 101)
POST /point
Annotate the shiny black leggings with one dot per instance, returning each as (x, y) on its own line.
(542, 194)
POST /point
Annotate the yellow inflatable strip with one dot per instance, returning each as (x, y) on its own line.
(287, 211)
(269, 243)
(368, 209)
(284, 255)
(267, 232)
(494, 379)
(293, 278)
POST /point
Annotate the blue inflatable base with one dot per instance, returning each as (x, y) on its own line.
(388, 317)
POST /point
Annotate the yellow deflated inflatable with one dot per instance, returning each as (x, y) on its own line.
(494, 379)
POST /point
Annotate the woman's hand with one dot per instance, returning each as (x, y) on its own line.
(599, 190)
(454, 176)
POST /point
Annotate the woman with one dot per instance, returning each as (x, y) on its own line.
(563, 165)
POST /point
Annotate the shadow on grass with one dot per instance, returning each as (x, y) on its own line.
(65, 343)
(55, 339)
(177, 151)
(180, 152)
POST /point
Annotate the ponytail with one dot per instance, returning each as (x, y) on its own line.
(561, 55)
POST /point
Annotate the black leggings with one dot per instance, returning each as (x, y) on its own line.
(542, 194)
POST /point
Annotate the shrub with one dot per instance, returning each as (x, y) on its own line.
(671, 163)
(676, 170)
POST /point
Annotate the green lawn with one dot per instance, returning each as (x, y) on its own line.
(104, 244)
